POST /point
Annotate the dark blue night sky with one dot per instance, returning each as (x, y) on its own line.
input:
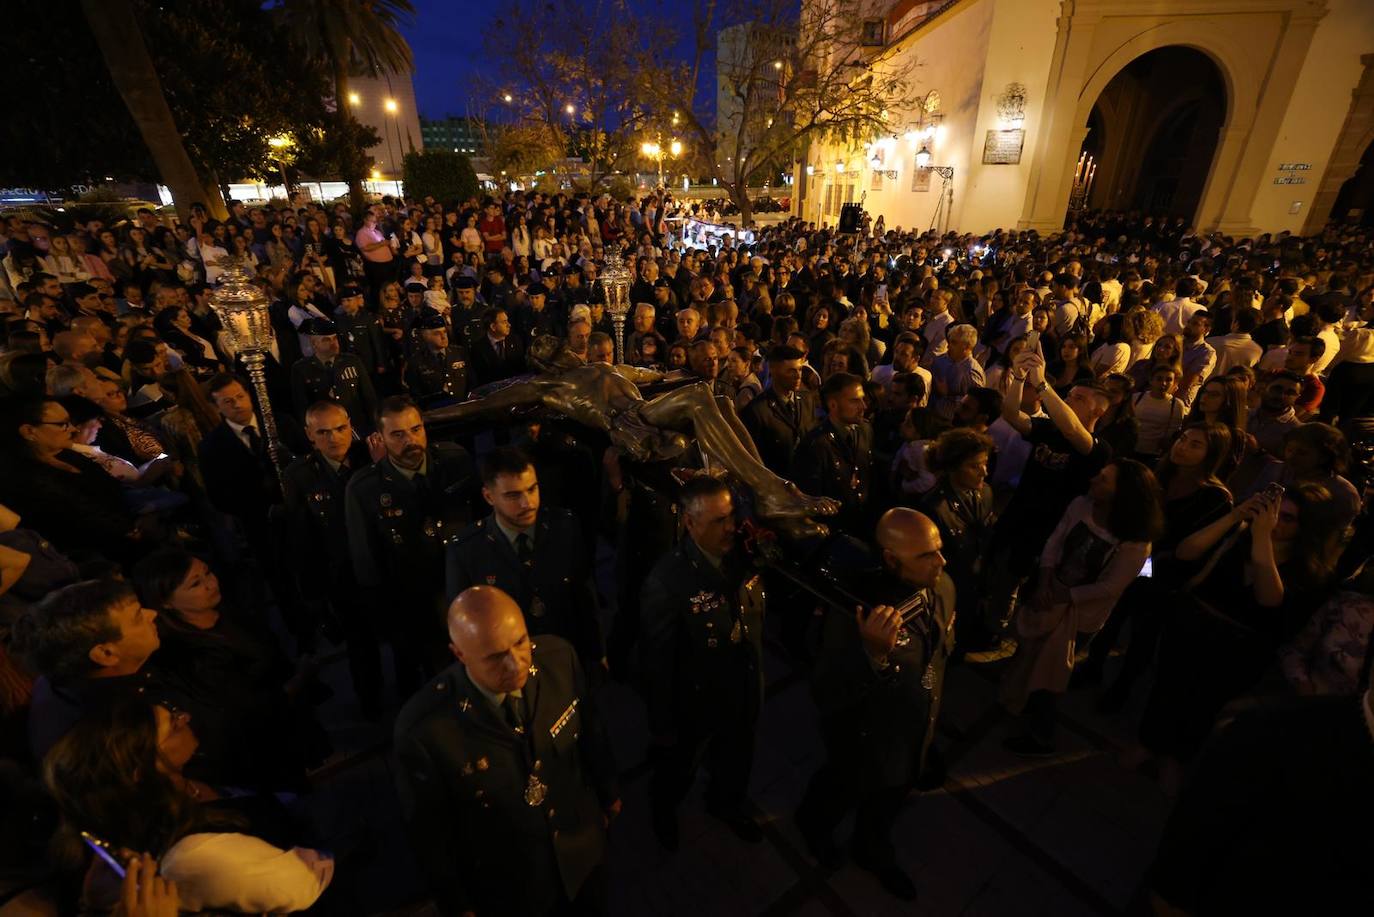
(446, 37)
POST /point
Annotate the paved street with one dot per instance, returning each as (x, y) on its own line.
(1005, 836)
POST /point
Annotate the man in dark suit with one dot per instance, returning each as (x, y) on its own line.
(701, 644)
(505, 772)
(785, 412)
(241, 482)
(399, 513)
(498, 354)
(835, 459)
(313, 487)
(538, 557)
(878, 682)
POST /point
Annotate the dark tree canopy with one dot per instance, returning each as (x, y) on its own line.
(445, 176)
(229, 75)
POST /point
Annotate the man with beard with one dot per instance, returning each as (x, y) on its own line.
(399, 513)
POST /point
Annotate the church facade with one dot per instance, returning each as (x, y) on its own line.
(1241, 116)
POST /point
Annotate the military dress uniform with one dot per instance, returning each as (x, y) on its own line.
(438, 378)
(549, 576)
(344, 379)
(837, 462)
(504, 802)
(701, 641)
(315, 494)
(877, 723)
(397, 527)
(777, 427)
(361, 334)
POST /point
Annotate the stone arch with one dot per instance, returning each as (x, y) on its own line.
(1257, 54)
(1238, 79)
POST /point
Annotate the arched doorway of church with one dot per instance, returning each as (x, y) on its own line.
(1355, 200)
(1152, 135)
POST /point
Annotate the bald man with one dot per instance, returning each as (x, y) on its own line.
(505, 773)
(877, 683)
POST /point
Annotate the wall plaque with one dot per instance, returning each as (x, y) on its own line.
(1003, 148)
(920, 179)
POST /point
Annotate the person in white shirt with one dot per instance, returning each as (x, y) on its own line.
(1199, 358)
(904, 360)
(1237, 348)
(1159, 414)
(1178, 310)
(1111, 288)
(937, 322)
(1069, 311)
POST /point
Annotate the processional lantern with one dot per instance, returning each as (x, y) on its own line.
(244, 311)
(615, 284)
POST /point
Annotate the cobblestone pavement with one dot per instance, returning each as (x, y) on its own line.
(1073, 834)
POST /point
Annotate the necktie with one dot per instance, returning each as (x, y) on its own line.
(515, 714)
(254, 440)
(523, 549)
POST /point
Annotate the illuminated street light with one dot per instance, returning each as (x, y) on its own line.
(507, 97)
(839, 166)
(777, 65)
(923, 158)
(391, 105)
(354, 98)
(570, 108)
(278, 143)
(675, 148)
(376, 174)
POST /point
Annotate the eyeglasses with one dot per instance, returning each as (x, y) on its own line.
(66, 423)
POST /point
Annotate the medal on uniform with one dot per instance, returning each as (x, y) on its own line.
(903, 637)
(535, 791)
(384, 499)
(928, 677)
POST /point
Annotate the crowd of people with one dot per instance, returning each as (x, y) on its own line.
(1127, 458)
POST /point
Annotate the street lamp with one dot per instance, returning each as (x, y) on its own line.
(507, 98)
(390, 106)
(570, 108)
(244, 311)
(354, 98)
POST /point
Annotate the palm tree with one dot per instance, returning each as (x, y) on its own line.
(115, 26)
(351, 37)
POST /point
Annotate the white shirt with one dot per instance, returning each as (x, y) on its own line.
(934, 333)
(1176, 313)
(241, 873)
(1236, 349)
(240, 432)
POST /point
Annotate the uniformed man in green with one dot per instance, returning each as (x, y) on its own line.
(400, 511)
(835, 459)
(536, 554)
(505, 772)
(438, 371)
(313, 488)
(361, 334)
(329, 374)
(878, 683)
(701, 640)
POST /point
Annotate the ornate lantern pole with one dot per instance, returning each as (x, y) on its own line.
(615, 283)
(243, 310)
